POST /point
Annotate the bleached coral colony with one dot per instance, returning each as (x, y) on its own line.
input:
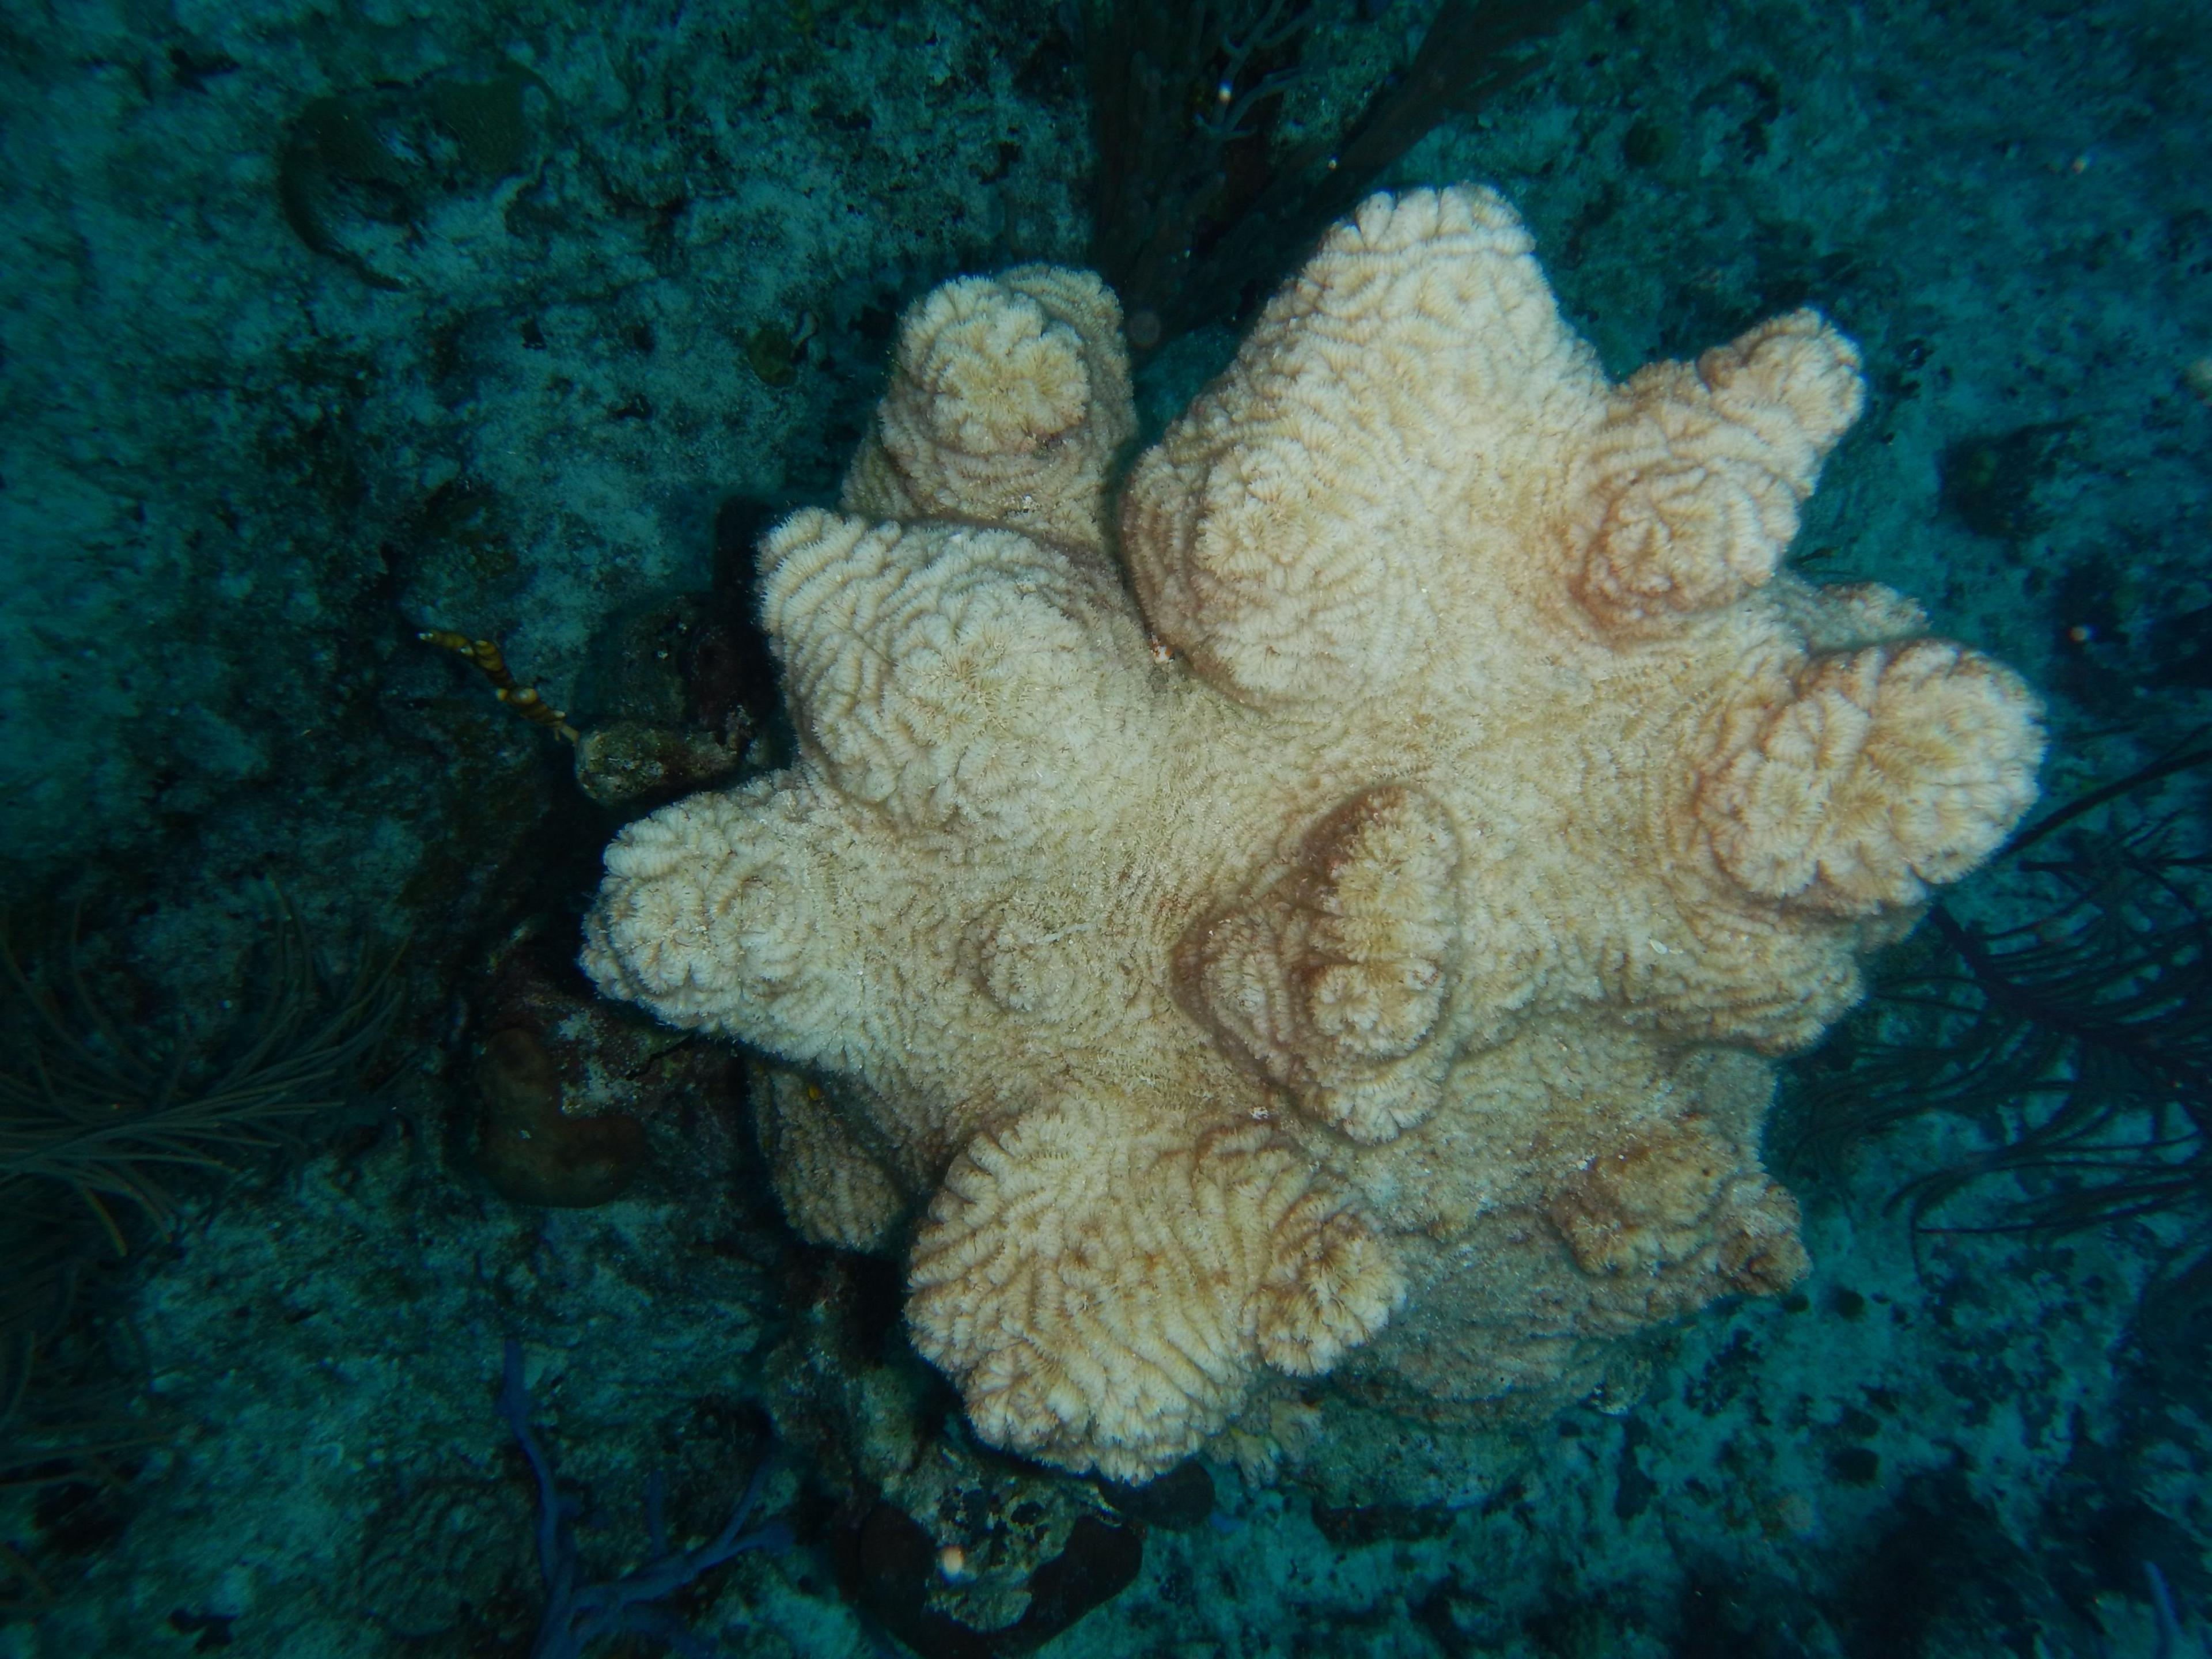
(1357, 946)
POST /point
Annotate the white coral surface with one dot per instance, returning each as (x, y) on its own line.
(1364, 904)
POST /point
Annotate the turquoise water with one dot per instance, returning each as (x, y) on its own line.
(329, 328)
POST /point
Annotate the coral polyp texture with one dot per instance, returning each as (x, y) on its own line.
(1327, 904)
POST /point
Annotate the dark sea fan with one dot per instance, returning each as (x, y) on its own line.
(99, 1117)
(2080, 1034)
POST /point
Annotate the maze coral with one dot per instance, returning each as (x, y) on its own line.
(1358, 947)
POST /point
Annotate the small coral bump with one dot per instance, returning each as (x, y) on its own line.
(1337, 974)
(1699, 471)
(1886, 771)
(997, 375)
(1009, 398)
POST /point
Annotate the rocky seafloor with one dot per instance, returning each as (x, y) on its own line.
(326, 327)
